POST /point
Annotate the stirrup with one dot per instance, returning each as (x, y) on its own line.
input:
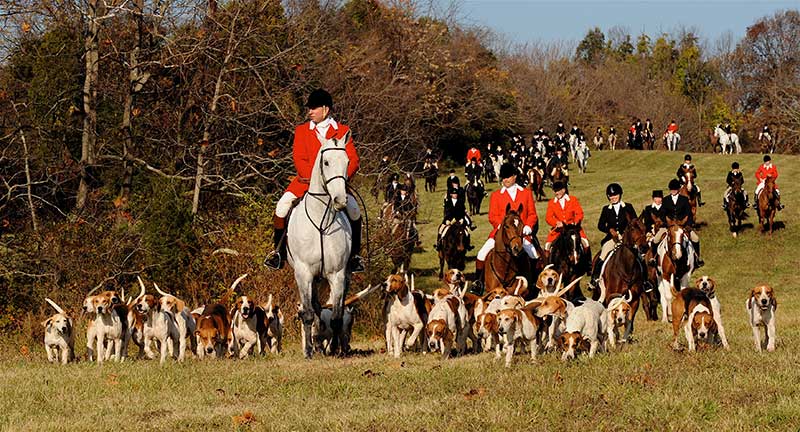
(356, 264)
(699, 262)
(274, 260)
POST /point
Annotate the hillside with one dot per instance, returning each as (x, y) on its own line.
(644, 386)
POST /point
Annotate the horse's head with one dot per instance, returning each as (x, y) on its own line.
(635, 235)
(675, 235)
(511, 230)
(332, 162)
(572, 233)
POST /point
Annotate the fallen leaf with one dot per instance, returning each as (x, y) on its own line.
(260, 142)
(136, 112)
(220, 392)
(26, 27)
(246, 418)
(112, 379)
(24, 350)
(474, 393)
(273, 153)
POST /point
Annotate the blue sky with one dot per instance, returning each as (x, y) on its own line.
(568, 20)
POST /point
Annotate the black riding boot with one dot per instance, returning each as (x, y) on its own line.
(438, 245)
(724, 204)
(700, 199)
(595, 282)
(778, 197)
(356, 263)
(477, 285)
(698, 261)
(277, 258)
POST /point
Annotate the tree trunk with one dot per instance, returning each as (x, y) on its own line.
(89, 101)
(28, 179)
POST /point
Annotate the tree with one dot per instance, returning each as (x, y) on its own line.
(592, 48)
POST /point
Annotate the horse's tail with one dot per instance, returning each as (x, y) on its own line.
(360, 295)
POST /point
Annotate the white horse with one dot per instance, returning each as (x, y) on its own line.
(672, 139)
(573, 145)
(319, 240)
(727, 141)
(582, 156)
(497, 162)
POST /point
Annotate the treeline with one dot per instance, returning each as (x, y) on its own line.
(150, 137)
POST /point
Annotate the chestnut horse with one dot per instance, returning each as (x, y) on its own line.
(507, 259)
(536, 184)
(624, 270)
(687, 190)
(675, 263)
(768, 204)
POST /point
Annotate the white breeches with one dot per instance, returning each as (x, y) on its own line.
(663, 231)
(606, 249)
(727, 194)
(285, 204)
(527, 246)
(761, 186)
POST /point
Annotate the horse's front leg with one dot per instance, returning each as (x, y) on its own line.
(338, 285)
(304, 281)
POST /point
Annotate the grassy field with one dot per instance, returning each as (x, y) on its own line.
(643, 386)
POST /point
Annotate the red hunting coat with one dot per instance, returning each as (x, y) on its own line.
(763, 172)
(572, 213)
(305, 148)
(500, 199)
(473, 153)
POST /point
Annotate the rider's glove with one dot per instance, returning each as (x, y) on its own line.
(526, 230)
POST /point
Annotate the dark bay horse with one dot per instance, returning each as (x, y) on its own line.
(508, 259)
(569, 258)
(625, 272)
(559, 173)
(454, 248)
(474, 191)
(687, 190)
(536, 184)
(430, 173)
(404, 238)
(736, 207)
(768, 203)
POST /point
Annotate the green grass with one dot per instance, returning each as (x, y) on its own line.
(644, 386)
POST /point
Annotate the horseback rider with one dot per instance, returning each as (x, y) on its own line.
(383, 165)
(677, 207)
(538, 163)
(613, 221)
(672, 127)
(452, 178)
(308, 139)
(598, 137)
(511, 195)
(654, 211)
(473, 171)
(392, 188)
(688, 166)
(559, 158)
(734, 175)
(404, 205)
(560, 128)
(768, 169)
(648, 127)
(473, 152)
(727, 128)
(455, 210)
(765, 133)
(561, 210)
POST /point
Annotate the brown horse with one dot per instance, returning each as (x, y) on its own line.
(508, 259)
(570, 258)
(559, 173)
(767, 143)
(714, 140)
(736, 207)
(536, 184)
(625, 272)
(687, 190)
(454, 248)
(404, 238)
(768, 202)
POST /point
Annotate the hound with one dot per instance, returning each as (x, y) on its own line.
(213, 331)
(248, 326)
(59, 339)
(693, 304)
(556, 307)
(761, 307)
(323, 334)
(486, 327)
(446, 325)
(517, 325)
(619, 314)
(709, 286)
(587, 323)
(89, 308)
(110, 326)
(158, 325)
(455, 280)
(183, 318)
(405, 310)
(548, 281)
(273, 321)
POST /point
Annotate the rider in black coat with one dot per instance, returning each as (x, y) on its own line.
(734, 175)
(613, 221)
(656, 208)
(677, 208)
(392, 188)
(473, 170)
(689, 166)
(454, 210)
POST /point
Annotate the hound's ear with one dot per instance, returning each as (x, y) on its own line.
(585, 345)
(479, 307)
(180, 305)
(750, 301)
(774, 303)
(197, 333)
(561, 342)
(697, 282)
(48, 323)
(280, 315)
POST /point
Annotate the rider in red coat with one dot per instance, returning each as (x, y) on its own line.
(767, 169)
(473, 153)
(514, 195)
(561, 210)
(307, 142)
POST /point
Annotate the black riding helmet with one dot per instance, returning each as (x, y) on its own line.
(318, 98)
(507, 170)
(735, 165)
(674, 184)
(767, 158)
(613, 189)
(558, 185)
(452, 190)
(687, 157)
(394, 177)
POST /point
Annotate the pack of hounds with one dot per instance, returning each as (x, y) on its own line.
(507, 320)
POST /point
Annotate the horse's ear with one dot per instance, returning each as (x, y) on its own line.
(684, 220)
(670, 221)
(345, 139)
(508, 207)
(519, 209)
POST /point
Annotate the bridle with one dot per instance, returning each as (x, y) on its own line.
(507, 240)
